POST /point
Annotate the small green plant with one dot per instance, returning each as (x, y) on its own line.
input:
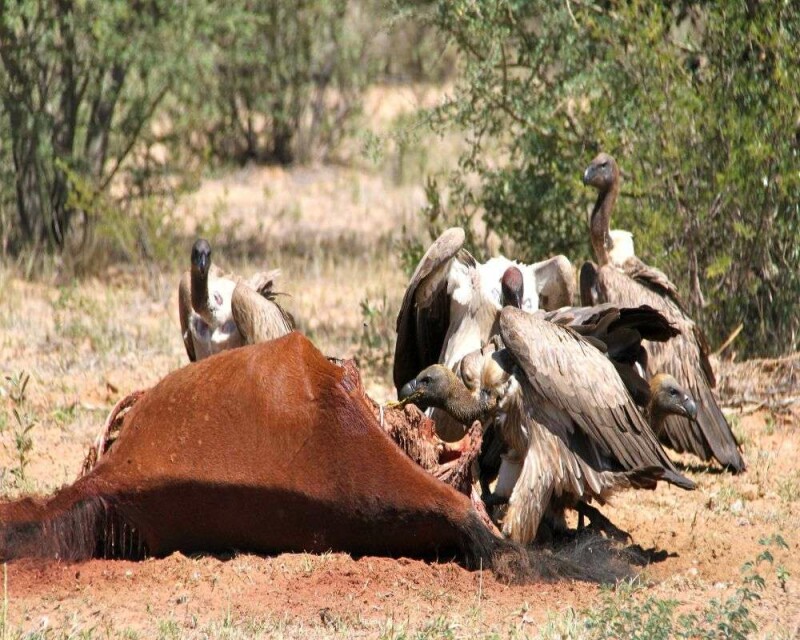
(769, 424)
(742, 437)
(24, 422)
(626, 611)
(376, 344)
(789, 488)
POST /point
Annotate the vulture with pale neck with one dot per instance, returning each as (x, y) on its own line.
(555, 397)
(220, 311)
(452, 303)
(623, 279)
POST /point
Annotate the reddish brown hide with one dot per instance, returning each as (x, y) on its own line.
(265, 448)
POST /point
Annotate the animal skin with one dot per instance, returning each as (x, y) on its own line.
(266, 448)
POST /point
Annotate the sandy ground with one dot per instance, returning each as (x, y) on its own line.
(87, 344)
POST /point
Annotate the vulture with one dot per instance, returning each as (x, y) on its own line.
(617, 332)
(220, 311)
(452, 304)
(559, 404)
(623, 279)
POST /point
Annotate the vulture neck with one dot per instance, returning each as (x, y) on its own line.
(200, 293)
(601, 221)
(656, 415)
(464, 406)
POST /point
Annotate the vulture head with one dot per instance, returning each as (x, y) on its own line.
(601, 173)
(437, 386)
(431, 388)
(512, 288)
(201, 257)
(667, 397)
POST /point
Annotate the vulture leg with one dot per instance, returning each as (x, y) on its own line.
(599, 523)
(489, 463)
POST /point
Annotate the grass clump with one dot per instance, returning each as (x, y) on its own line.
(627, 611)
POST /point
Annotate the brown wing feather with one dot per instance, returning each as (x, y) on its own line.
(185, 312)
(258, 319)
(575, 391)
(263, 282)
(685, 357)
(555, 282)
(652, 278)
(424, 313)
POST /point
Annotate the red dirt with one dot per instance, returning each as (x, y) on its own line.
(317, 591)
(696, 542)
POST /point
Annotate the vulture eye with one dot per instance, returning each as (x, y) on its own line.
(425, 380)
(673, 392)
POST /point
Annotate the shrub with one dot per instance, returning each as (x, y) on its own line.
(79, 84)
(697, 101)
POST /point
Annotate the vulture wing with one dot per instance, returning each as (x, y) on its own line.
(575, 392)
(424, 316)
(652, 278)
(258, 319)
(185, 313)
(555, 282)
(263, 282)
(618, 332)
(685, 357)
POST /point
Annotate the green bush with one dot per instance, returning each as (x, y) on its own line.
(289, 78)
(88, 87)
(698, 101)
(79, 84)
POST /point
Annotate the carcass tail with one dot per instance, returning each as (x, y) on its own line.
(508, 560)
(73, 524)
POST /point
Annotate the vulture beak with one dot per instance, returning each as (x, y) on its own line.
(408, 392)
(689, 407)
(587, 175)
(203, 262)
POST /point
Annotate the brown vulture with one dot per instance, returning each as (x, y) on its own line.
(623, 279)
(559, 403)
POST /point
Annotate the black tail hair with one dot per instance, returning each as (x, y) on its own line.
(71, 525)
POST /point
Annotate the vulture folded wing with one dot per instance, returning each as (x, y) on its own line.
(685, 357)
(424, 313)
(555, 282)
(652, 278)
(185, 313)
(575, 391)
(258, 319)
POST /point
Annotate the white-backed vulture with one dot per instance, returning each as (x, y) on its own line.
(623, 279)
(559, 400)
(452, 302)
(618, 333)
(220, 311)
